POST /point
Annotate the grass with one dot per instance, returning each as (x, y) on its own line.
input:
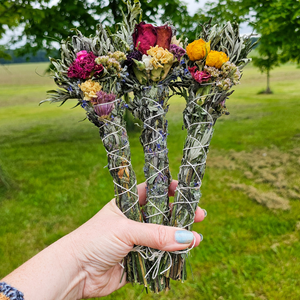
(52, 180)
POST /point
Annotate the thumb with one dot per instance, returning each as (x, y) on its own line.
(160, 237)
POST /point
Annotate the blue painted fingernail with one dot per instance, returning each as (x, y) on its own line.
(205, 212)
(184, 236)
(201, 237)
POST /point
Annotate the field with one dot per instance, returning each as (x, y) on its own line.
(52, 179)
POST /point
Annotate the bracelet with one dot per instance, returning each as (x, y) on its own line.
(9, 293)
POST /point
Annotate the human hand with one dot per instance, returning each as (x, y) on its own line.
(103, 241)
(85, 263)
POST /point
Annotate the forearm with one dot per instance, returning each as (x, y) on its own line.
(51, 274)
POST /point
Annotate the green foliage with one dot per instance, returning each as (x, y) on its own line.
(44, 24)
(277, 21)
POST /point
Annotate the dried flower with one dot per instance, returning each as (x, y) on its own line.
(164, 36)
(137, 55)
(84, 66)
(147, 62)
(214, 72)
(90, 89)
(216, 59)
(199, 76)
(230, 70)
(81, 54)
(109, 63)
(176, 42)
(160, 56)
(177, 51)
(198, 49)
(118, 55)
(146, 36)
(102, 104)
(224, 85)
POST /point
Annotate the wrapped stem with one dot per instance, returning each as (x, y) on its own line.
(150, 106)
(113, 133)
(200, 116)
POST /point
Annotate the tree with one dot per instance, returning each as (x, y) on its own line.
(42, 24)
(277, 21)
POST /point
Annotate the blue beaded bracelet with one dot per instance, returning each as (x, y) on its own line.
(10, 292)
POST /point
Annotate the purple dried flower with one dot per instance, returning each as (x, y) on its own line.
(177, 51)
(137, 55)
(102, 104)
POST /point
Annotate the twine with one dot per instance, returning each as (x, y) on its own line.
(114, 153)
(158, 171)
(194, 166)
(148, 254)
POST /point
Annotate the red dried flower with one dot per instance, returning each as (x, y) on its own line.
(146, 36)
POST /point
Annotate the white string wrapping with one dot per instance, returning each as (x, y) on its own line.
(114, 153)
(158, 171)
(202, 147)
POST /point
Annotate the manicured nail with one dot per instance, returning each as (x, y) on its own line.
(201, 237)
(205, 212)
(184, 236)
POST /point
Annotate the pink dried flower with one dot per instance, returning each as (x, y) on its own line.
(192, 70)
(199, 76)
(81, 54)
(84, 66)
(102, 104)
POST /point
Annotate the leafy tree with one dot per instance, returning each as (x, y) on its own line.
(42, 24)
(277, 21)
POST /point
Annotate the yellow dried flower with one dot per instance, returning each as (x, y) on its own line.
(160, 56)
(198, 49)
(216, 59)
(90, 89)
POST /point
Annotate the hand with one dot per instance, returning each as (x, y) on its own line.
(85, 263)
(102, 242)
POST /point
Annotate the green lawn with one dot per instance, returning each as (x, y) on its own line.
(52, 179)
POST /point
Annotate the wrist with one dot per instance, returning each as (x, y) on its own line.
(70, 263)
(53, 273)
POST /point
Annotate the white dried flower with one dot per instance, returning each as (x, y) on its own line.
(176, 42)
(147, 62)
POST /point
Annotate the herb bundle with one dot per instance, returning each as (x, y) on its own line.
(91, 70)
(102, 70)
(214, 62)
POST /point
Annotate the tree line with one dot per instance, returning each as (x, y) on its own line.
(276, 21)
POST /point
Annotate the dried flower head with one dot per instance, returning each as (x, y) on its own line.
(102, 104)
(177, 51)
(216, 59)
(137, 55)
(84, 66)
(160, 56)
(214, 72)
(198, 49)
(90, 89)
(176, 42)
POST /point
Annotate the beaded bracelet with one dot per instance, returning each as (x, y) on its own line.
(9, 293)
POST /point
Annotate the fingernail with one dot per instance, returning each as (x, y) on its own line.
(205, 212)
(184, 236)
(201, 237)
